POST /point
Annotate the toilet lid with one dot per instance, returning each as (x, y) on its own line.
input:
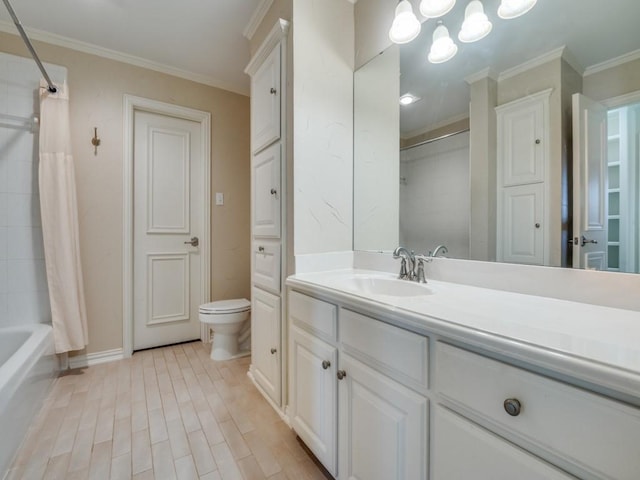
(226, 306)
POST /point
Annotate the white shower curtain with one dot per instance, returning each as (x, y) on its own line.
(60, 223)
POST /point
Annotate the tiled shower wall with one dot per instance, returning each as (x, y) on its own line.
(23, 285)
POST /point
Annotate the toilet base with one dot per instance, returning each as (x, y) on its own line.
(225, 347)
(239, 354)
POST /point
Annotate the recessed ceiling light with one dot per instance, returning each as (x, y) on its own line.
(408, 99)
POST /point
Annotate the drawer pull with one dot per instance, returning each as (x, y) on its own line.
(341, 374)
(326, 364)
(512, 406)
(273, 351)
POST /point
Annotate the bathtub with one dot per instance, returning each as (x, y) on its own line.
(28, 366)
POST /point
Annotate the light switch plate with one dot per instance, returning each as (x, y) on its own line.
(219, 198)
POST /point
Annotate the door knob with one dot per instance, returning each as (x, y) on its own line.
(585, 241)
(273, 351)
(326, 364)
(274, 191)
(194, 242)
(273, 91)
(341, 374)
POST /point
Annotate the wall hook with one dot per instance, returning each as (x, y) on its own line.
(95, 141)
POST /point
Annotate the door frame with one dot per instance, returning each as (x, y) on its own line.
(131, 105)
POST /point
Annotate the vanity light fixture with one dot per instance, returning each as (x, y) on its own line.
(443, 48)
(406, 25)
(408, 99)
(476, 24)
(509, 9)
(436, 8)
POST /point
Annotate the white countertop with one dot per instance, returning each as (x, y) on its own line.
(599, 345)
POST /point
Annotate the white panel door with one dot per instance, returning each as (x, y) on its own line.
(265, 342)
(313, 395)
(589, 183)
(382, 426)
(266, 193)
(168, 165)
(265, 103)
(464, 451)
(521, 233)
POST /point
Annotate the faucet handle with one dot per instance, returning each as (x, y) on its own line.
(403, 269)
(420, 277)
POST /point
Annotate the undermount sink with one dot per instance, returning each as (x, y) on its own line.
(374, 285)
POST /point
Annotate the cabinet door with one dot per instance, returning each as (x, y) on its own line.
(266, 193)
(382, 426)
(522, 142)
(313, 395)
(266, 265)
(521, 227)
(265, 342)
(265, 103)
(463, 450)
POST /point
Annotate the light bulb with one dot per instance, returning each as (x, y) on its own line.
(443, 48)
(406, 25)
(436, 8)
(509, 9)
(476, 25)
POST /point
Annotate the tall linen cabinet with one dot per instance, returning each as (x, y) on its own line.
(267, 69)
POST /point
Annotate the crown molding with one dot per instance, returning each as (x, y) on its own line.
(256, 19)
(277, 33)
(60, 41)
(560, 52)
(613, 62)
(481, 75)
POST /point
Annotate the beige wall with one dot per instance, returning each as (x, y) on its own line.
(613, 82)
(97, 86)
(372, 22)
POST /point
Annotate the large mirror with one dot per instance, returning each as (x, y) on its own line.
(483, 160)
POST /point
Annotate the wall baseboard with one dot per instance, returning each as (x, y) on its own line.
(89, 359)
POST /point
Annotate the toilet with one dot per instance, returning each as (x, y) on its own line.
(229, 321)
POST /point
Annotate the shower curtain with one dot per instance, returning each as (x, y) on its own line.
(59, 212)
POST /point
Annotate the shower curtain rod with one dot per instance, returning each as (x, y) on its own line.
(52, 88)
(431, 140)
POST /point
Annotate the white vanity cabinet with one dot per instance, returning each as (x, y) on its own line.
(522, 180)
(268, 219)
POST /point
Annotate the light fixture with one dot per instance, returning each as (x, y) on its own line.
(406, 25)
(408, 99)
(476, 24)
(436, 8)
(443, 48)
(509, 9)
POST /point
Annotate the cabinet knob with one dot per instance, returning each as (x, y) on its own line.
(341, 374)
(273, 351)
(537, 141)
(537, 225)
(273, 91)
(512, 406)
(273, 191)
(261, 249)
(326, 364)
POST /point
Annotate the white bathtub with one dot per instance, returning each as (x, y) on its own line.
(27, 367)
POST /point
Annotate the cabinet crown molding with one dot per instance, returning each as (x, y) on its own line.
(278, 32)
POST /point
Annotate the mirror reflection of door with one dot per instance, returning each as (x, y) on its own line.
(606, 186)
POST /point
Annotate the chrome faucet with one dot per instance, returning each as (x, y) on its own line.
(406, 256)
(438, 249)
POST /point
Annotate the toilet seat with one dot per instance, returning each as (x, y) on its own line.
(226, 306)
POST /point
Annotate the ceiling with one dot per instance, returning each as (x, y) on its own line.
(198, 39)
(593, 31)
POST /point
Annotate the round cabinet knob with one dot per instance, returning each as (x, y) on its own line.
(537, 225)
(326, 364)
(341, 374)
(512, 406)
(273, 91)
(261, 249)
(537, 141)
(273, 191)
(273, 351)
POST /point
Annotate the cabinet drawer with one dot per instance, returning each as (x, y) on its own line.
(462, 449)
(401, 354)
(597, 434)
(315, 315)
(266, 265)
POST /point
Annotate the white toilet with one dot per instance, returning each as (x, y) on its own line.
(228, 319)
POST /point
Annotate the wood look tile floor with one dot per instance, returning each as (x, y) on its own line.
(166, 413)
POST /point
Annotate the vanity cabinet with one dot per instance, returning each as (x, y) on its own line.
(522, 180)
(268, 213)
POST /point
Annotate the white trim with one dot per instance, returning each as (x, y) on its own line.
(131, 104)
(256, 18)
(555, 54)
(481, 75)
(279, 31)
(92, 49)
(612, 62)
(622, 100)
(90, 359)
